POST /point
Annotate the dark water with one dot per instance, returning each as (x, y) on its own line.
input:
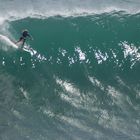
(80, 81)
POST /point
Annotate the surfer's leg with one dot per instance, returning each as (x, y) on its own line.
(23, 42)
(20, 40)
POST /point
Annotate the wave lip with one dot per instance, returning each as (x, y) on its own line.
(16, 9)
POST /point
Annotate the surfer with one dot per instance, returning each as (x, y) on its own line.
(22, 39)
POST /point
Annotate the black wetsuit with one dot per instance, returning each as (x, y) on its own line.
(24, 35)
(22, 39)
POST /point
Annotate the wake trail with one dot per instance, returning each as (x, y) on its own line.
(6, 41)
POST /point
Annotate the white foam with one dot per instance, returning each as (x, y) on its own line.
(1, 20)
(5, 40)
(132, 51)
(16, 9)
(80, 53)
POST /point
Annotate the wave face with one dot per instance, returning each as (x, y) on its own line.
(80, 79)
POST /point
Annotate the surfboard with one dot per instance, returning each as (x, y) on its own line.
(7, 41)
(30, 50)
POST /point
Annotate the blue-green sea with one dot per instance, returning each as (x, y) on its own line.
(80, 77)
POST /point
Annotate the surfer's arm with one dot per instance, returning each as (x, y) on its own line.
(30, 36)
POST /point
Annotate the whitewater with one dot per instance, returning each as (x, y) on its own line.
(79, 78)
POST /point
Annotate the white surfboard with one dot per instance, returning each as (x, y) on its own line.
(30, 50)
(8, 42)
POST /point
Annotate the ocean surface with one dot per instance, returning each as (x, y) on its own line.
(80, 79)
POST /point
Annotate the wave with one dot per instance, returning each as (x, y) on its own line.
(89, 39)
(16, 9)
(80, 79)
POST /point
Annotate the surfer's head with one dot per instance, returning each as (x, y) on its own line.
(25, 31)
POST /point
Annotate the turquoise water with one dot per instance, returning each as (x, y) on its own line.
(80, 80)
